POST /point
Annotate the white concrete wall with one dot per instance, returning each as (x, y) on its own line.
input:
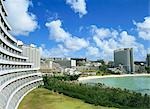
(73, 63)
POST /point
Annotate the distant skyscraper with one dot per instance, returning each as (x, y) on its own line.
(148, 60)
(124, 58)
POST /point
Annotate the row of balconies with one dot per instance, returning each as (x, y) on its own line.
(6, 25)
(9, 58)
(3, 45)
(13, 60)
(3, 8)
(9, 43)
(6, 77)
(7, 93)
(4, 72)
(5, 29)
(9, 89)
(10, 67)
(6, 34)
(7, 62)
(3, 22)
(14, 102)
(7, 53)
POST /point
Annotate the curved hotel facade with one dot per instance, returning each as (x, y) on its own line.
(18, 73)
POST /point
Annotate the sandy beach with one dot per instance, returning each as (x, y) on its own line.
(109, 76)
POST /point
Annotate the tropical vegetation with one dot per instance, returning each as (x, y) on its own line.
(98, 94)
(147, 69)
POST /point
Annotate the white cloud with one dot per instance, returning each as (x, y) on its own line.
(126, 39)
(56, 31)
(22, 21)
(79, 6)
(69, 41)
(143, 28)
(108, 42)
(75, 43)
(103, 33)
(105, 39)
(93, 51)
(58, 51)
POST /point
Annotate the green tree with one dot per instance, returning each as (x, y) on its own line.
(98, 94)
(147, 69)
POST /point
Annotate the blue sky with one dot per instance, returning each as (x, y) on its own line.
(84, 28)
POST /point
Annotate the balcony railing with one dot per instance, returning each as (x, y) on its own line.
(9, 77)
(11, 53)
(8, 43)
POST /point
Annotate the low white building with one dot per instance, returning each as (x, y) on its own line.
(71, 71)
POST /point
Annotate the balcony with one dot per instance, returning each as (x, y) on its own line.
(8, 92)
(4, 33)
(10, 53)
(4, 61)
(9, 77)
(17, 97)
(15, 47)
(3, 8)
(4, 19)
(12, 70)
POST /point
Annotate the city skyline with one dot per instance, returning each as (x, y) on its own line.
(86, 28)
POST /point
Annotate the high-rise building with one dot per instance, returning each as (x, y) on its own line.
(18, 76)
(33, 55)
(124, 58)
(148, 60)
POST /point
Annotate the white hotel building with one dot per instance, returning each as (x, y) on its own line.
(18, 72)
(124, 57)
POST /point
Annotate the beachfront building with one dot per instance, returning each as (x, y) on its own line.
(124, 58)
(18, 72)
(148, 60)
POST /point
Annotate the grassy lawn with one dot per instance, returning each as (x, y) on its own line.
(44, 99)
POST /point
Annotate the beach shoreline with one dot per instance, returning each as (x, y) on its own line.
(111, 76)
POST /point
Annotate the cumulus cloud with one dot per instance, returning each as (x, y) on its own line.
(105, 39)
(143, 28)
(103, 33)
(69, 41)
(79, 6)
(93, 51)
(58, 51)
(102, 45)
(107, 42)
(126, 39)
(56, 31)
(22, 21)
